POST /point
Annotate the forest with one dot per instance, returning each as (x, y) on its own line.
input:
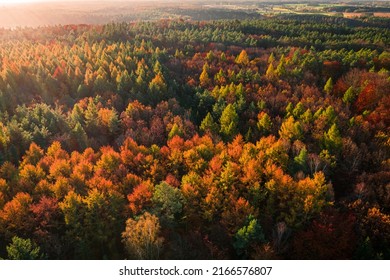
(179, 139)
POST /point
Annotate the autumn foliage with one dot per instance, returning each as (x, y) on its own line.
(184, 140)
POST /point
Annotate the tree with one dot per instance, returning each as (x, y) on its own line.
(301, 160)
(235, 214)
(331, 236)
(290, 129)
(76, 116)
(33, 155)
(204, 78)
(108, 118)
(157, 85)
(332, 140)
(91, 117)
(298, 110)
(247, 236)
(229, 122)
(4, 142)
(102, 223)
(281, 68)
(242, 58)
(48, 226)
(15, 217)
(271, 58)
(140, 198)
(220, 77)
(124, 82)
(223, 57)
(208, 124)
(157, 68)
(264, 123)
(210, 56)
(93, 223)
(168, 203)
(23, 249)
(108, 163)
(328, 88)
(377, 226)
(79, 137)
(73, 210)
(367, 98)
(270, 73)
(349, 96)
(175, 130)
(141, 238)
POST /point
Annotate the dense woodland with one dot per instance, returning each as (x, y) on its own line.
(252, 139)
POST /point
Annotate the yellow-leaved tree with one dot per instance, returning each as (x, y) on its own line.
(141, 237)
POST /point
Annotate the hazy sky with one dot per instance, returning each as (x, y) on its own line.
(29, 1)
(11, 2)
(23, 1)
(32, 1)
(26, 1)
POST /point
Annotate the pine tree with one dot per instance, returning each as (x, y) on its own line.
(210, 56)
(223, 57)
(80, 137)
(208, 124)
(247, 235)
(113, 123)
(270, 73)
(289, 109)
(301, 159)
(328, 88)
(242, 58)
(349, 96)
(123, 81)
(175, 130)
(271, 58)
(298, 110)
(264, 124)
(229, 122)
(204, 78)
(91, 117)
(77, 115)
(281, 69)
(157, 68)
(332, 140)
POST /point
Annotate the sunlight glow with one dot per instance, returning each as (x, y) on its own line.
(11, 2)
(30, 1)
(16, 1)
